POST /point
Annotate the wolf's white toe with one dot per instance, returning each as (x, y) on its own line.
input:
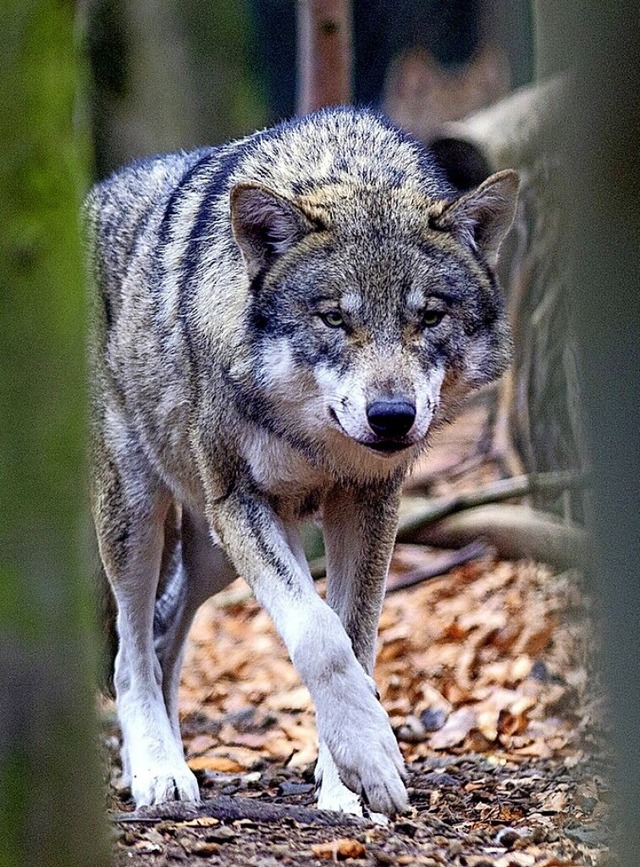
(174, 784)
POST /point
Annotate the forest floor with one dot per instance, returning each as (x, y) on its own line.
(487, 675)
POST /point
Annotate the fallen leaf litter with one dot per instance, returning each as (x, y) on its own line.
(485, 675)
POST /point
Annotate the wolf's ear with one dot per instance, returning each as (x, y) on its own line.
(264, 224)
(482, 217)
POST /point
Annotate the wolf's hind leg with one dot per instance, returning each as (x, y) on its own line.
(130, 512)
(332, 792)
(202, 570)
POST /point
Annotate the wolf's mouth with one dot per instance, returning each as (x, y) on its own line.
(384, 447)
(387, 447)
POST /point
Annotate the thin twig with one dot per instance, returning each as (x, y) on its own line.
(230, 809)
(441, 566)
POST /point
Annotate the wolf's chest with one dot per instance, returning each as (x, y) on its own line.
(284, 474)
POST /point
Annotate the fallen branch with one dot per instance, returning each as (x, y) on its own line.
(229, 809)
(515, 532)
(510, 132)
(417, 512)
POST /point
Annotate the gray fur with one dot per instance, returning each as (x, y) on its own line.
(253, 303)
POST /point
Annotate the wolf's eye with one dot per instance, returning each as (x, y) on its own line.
(431, 318)
(332, 318)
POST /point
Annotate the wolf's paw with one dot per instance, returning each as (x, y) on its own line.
(338, 798)
(171, 784)
(379, 780)
(332, 792)
(369, 762)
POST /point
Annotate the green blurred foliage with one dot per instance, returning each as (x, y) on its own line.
(222, 46)
(49, 802)
(44, 156)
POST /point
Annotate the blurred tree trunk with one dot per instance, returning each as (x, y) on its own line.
(582, 262)
(540, 420)
(602, 113)
(143, 96)
(324, 54)
(49, 798)
(169, 75)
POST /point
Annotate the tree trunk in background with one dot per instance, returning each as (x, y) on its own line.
(143, 99)
(169, 75)
(324, 54)
(540, 419)
(540, 422)
(603, 211)
(49, 797)
(594, 304)
(598, 241)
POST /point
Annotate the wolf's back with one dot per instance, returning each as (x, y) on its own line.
(117, 210)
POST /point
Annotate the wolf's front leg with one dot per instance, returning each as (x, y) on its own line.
(359, 530)
(129, 510)
(351, 723)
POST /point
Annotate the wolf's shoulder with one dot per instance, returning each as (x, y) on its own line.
(336, 146)
(344, 146)
(139, 184)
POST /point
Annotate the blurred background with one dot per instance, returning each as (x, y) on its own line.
(168, 74)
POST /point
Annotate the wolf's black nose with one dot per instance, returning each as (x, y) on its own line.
(391, 417)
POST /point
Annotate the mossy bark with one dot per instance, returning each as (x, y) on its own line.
(49, 801)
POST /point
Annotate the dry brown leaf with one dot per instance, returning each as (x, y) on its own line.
(511, 724)
(537, 748)
(399, 707)
(298, 730)
(455, 730)
(554, 862)
(339, 850)
(521, 667)
(487, 724)
(279, 747)
(553, 802)
(200, 822)
(201, 744)
(536, 638)
(295, 699)
(215, 763)
(304, 756)
(432, 699)
(250, 740)
(454, 631)
(516, 859)
(146, 847)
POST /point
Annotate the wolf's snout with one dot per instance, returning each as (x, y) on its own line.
(391, 417)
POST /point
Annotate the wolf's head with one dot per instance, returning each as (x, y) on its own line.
(373, 310)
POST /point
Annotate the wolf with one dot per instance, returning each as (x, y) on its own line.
(278, 324)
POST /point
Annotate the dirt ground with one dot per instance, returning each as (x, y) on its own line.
(487, 675)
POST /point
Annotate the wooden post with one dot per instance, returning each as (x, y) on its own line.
(324, 54)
